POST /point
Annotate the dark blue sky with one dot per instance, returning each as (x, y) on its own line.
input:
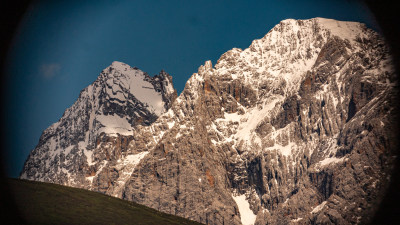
(62, 46)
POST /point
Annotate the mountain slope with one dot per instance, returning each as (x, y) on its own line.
(42, 203)
(297, 128)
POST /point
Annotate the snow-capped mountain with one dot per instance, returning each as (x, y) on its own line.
(108, 110)
(297, 128)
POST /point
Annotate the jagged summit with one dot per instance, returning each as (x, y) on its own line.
(124, 81)
(294, 129)
(120, 65)
(344, 29)
(120, 98)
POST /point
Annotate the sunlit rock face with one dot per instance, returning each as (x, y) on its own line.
(99, 125)
(296, 129)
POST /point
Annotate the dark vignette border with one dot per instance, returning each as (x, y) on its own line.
(386, 12)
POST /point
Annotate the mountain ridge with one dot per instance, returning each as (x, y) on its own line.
(298, 124)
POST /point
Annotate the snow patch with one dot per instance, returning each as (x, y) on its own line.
(88, 153)
(284, 150)
(246, 214)
(328, 161)
(296, 220)
(68, 149)
(318, 207)
(171, 124)
(114, 124)
(137, 85)
(134, 159)
(126, 168)
(248, 122)
(342, 29)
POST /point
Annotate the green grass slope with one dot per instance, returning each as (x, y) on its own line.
(44, 203)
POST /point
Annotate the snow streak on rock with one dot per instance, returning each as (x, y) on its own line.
(247, 216)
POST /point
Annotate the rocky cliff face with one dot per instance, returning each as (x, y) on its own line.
(296, 129)
(106, 112)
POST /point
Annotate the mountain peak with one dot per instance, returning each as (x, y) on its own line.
(344, 29)
(121, 98)
(298, 122)
(119, 65)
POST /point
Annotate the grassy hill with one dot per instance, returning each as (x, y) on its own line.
(44, 203)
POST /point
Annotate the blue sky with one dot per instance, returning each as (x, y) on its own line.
(62, 46)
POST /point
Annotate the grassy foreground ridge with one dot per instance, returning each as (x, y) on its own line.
(44, 203)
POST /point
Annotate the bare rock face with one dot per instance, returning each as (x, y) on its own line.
(296, 129)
